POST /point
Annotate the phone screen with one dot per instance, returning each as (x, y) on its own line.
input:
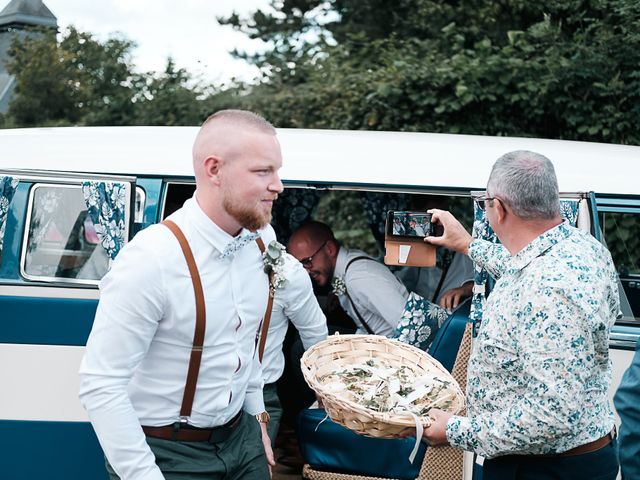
(408, 224)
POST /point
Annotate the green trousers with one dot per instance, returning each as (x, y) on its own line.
(274, 407)
(239, 457)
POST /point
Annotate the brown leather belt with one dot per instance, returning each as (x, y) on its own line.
(183, 432)
(587, 447)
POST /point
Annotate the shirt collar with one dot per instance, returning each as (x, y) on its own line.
(207, 227)
(341, 263)
(539, 246)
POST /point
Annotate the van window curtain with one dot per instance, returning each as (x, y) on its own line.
(8, 187)
(106, 206)
(482, 230)
(293, 208)
(377, 204)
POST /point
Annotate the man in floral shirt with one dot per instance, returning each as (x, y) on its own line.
(540, 369)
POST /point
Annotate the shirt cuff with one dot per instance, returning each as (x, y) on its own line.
(460, 434)
(254, 402)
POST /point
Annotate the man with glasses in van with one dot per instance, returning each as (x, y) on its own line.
(170, 377)
(367, 290)
(537, 403)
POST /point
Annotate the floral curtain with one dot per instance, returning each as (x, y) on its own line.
(106, 205)
(8, 187)
(293, 208)
(376, 205)
(482, 230)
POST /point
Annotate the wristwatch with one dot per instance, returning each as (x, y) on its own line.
(263, 417)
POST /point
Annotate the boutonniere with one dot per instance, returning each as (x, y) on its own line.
(338, 286)
(273, 261)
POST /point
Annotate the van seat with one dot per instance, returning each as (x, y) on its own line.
(328, 446)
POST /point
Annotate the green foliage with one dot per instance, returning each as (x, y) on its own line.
(622, 237)
(556, 69)
(168, 99)
(76, 80)
(79, 80)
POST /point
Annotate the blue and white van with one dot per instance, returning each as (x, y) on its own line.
(52, 257)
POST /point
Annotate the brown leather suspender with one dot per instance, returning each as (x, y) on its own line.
(201, 322)
(267, 315)
(201, 319)
(364, 323)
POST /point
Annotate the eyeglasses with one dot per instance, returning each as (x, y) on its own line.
(308, 261)
(481, 199)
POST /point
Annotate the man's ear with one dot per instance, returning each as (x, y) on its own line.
(332, 248)
(501, 210)
(212, 165)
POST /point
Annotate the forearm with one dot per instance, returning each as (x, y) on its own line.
(118, 430)
(491, 256)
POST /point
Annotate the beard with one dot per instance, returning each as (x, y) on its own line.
(251, 218)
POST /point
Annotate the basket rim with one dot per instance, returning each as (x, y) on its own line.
(331, 400)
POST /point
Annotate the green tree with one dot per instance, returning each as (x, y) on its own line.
(554, 69)
(77, 80)
(169, 99)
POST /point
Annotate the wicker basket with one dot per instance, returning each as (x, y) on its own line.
(342, 351)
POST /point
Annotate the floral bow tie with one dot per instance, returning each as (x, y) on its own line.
(237, 243)
(339, 287)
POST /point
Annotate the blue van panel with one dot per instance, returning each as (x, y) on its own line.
(50, 450)
(46, 321)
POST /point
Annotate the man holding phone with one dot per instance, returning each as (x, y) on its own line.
(538, 375)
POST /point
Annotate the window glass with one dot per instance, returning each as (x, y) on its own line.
(621, 233)
(61, 242)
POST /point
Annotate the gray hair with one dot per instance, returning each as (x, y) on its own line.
(526, 181)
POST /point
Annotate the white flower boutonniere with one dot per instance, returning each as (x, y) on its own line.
(273, 260)
(338, 286)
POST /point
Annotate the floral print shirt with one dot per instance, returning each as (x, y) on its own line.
(540, 370)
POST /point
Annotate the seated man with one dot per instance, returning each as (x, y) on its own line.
(293, 300)
(372, 296)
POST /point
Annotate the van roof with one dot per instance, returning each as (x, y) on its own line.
(326, 157)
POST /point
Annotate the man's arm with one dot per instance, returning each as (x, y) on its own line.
(627, 401)
(130, 307)
(254, 404)
(555, 369)
(486, 254)
(301, 306)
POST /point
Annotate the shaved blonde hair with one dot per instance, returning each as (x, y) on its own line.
(222, 135)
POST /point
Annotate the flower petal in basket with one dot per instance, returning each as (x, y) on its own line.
(377, 386)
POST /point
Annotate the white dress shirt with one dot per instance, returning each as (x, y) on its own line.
(378, 295)
(296, 302)
(134, 369)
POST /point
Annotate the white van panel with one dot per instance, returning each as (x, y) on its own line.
(51, 392)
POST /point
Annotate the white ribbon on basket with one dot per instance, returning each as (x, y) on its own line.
(419, 431)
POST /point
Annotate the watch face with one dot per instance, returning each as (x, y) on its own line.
(263, 417)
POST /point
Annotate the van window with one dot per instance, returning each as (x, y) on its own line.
(621, 233)
(61, 243)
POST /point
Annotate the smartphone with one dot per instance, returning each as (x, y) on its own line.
(403, 224)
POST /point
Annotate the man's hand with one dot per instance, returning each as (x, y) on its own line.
(436, 434)
(266, 441)
(454, 237)
(452, 298)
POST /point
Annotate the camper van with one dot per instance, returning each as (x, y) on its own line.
(53, 251)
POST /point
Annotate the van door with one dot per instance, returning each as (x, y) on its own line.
(619, 225)
(51, 263)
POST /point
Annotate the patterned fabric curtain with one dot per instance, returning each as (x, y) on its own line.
(8, 187)
(376, 205)
(106, 205)
(293, 208)
(482, 230)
